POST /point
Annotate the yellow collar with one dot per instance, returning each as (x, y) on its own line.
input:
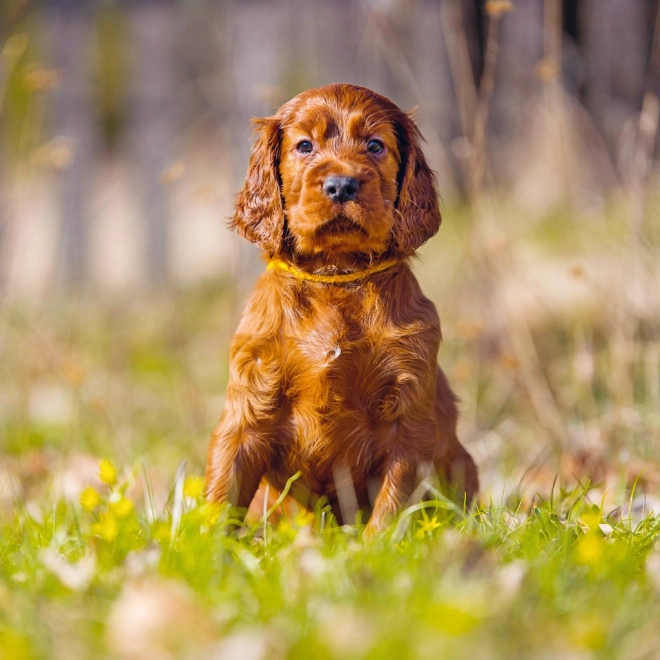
(331, 279)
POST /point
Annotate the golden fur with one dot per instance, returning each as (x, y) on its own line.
(338, 378)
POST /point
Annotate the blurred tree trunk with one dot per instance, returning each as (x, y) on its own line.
(301, 61)
(4, 203)
(437, 45)
(332, 30)
(4, 216)
(259, 31)
(153, 113)
(521, 49)
(383, 54)
(71, 34)
(616, 37)
(654, 70)
(204, 55)
(472, 13)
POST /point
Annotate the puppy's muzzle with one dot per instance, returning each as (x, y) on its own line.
(341, 189)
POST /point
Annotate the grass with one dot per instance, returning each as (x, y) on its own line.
(108, 577)
(107, 549)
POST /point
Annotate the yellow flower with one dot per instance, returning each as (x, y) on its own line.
(90, 498)
(161, 532)
(209, 513)
(304, 518)
(426, 527)
(107, 472)
(589, 549)
(284, 526)
(588, 632)
(107, 527)
(591, 519)
(121, 508)
(14, 645)
(453, 619)
(193, 487)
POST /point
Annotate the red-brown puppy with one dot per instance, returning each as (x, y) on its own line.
(334, 364)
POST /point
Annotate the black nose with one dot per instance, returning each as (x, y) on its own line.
(341, 188)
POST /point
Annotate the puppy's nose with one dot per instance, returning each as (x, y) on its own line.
(341, 188)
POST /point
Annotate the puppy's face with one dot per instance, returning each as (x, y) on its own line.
(338, 170)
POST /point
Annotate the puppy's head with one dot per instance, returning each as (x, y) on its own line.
(338, 170)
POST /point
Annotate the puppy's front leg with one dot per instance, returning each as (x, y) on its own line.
(236, 462)
(399, 482)
(241, 447)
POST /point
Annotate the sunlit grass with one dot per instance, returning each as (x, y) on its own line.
(110, 576)
(107, 548)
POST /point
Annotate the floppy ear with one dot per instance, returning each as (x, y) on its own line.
(259, 216)
(418, 212)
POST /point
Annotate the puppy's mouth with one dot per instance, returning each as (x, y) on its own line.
(341, 225)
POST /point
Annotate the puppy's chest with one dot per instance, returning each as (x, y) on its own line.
(337, 357)
(322, 344)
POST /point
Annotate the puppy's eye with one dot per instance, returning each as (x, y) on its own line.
(375, 146)
(305, 147)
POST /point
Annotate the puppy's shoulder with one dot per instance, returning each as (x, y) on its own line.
(405, 303)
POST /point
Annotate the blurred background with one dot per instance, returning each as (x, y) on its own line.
(124, 135)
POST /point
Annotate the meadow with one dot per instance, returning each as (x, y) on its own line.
(107, 548)
(546, 275)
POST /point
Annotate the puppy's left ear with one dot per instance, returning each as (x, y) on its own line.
(418, 211)
(259, 215)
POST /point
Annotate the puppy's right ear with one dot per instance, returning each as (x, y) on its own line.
(259, 215)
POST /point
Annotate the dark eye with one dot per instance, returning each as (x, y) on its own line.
(375, 146)
(305, 147)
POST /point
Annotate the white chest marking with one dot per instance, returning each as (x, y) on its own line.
(332, 355)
